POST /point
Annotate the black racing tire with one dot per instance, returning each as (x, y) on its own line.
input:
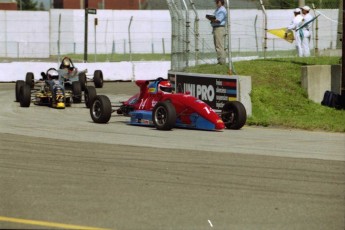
(25, 96)
(19, 84)
(76, 92)
(234, 115)
(30, 79)
(100, 109)
(98, 78)
(89, 95)
(164, 115)
(82, 80)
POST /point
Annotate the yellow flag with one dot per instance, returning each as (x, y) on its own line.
(281, 34)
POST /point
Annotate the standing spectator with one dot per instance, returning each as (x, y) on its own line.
(297, 22)
(218, 25)
(307, 30)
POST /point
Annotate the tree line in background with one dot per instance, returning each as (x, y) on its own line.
(289, 4)
(29, 5)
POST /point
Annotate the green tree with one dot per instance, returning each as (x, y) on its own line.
(27, 5)
(41, 7)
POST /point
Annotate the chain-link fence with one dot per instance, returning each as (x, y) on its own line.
(192, 40)
(182, 31)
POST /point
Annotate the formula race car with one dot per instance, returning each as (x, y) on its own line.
(70, 73)
(156, 105)
(51, 90)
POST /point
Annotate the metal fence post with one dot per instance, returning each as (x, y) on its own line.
(265, 27)
(196, 32)
(163, 45)
(129, 39)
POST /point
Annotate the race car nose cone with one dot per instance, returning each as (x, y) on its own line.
(220, 124)
(60, 105)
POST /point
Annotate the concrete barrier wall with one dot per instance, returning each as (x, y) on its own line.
(319, 78)
(112, 71)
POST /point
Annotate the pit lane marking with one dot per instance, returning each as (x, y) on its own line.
(47, 224)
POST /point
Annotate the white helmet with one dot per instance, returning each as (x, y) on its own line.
(52, 74)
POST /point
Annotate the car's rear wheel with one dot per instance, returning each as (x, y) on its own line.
(100, 109)
(76, 91)
(98, 78)
(89, 95)
(30, 80)
(25, 96)
(19, 84)
(82, 80)
(234, 115)
(164, 115)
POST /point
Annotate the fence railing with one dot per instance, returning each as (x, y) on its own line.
(182, 32)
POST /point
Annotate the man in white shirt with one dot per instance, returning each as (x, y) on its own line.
(295, 24)
(307, 30)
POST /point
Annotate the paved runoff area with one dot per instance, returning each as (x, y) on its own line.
(58, 169)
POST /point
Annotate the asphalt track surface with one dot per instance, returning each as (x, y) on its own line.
(59, 170)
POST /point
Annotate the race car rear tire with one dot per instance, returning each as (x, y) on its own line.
(76, 91)
(164, 116)
(82, 80)
(19, 84)
(25, 96)
(30, 80)
(234, 115)
(98, 78)
(89, 95)
(100, 109)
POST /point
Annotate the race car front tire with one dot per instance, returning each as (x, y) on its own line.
(98, 78)
(89, 95)
(164, 115)
(25, 96)
(30, 80)
(100, 109)
(19, 84)
(234, 115)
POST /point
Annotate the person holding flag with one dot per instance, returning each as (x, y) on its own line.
(295, 24)
(307, 18)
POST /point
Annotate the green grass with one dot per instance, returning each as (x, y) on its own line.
(277, 96)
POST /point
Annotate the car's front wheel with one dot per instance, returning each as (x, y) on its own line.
(98, 78)
(100, 109)
(164, 115)
(25, 96)
(19, 84)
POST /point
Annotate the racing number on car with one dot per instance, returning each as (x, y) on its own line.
(142, 104)
(207, 110)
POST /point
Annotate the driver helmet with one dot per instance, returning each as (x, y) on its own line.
(66, 62)
(52, 74)
(165, 86)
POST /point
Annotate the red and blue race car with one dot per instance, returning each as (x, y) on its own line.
(156, 105)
